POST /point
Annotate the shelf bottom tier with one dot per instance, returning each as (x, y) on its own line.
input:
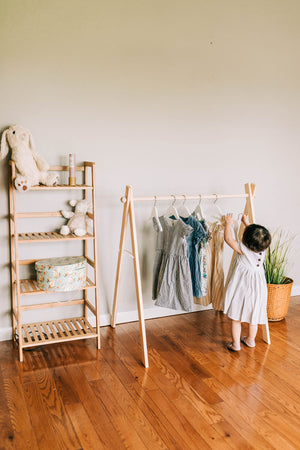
(42, 333)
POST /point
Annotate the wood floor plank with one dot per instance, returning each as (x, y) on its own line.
(63, 427)
(201, 426)
(169, 434)
(194, 372)
(84, 351)
(208, 431)
(183, 426)
(160, 421)
(126, 432)
(195, 394)
(128, 358)
(59, 355)
(85, 430)
(64, 387)
(96, 411)
(176, 393)
(89, 369)
(273, 361)
(232, 435)
(40, 420)
(23, 436)
(251, 410)
(9, 362)
(136, 418)
(185, 389)
(289, 433)
(120, 370)
(6, 428)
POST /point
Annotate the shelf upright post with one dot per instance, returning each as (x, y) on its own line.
(95, 255)
(12, 251)
(85, 243)
(15, 261)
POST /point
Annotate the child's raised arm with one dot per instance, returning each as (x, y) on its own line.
(228, 236)
(245, 220)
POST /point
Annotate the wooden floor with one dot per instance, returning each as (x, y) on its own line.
(195, 395)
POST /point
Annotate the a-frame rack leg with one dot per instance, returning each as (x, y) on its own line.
(120, 259)
(249, 210)
(128, 214)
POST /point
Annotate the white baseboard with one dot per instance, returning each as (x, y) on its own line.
(122, 317)
(295, 290)
(132, 316)
(149, 313)
(5, 334)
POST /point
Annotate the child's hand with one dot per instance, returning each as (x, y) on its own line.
(229, 220)
(245, 220)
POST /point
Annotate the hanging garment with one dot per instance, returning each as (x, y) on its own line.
(217, 285)
(147, 253)
(214, 258)
(172, 282)
(203, 269)
(197, 236)
(246, 292)
(203, 257)
(203, 244)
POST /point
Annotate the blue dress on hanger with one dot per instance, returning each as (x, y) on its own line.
(193, 241)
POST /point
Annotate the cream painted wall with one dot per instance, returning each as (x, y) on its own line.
(169, 96)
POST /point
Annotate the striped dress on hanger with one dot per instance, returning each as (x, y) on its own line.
(172, 282)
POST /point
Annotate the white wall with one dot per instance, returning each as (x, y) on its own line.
(169, 96)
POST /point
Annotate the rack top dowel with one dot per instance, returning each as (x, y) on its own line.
(183, 197)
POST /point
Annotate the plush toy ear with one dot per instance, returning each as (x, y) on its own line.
(31, 141)
(73, 202)
(4, 145)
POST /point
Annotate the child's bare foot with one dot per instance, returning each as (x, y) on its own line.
(232, 348)
(248, 342)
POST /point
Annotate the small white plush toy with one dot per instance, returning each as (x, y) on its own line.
(79, 220)
(32, 168)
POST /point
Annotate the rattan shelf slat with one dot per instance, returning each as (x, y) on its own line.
(30, 287)
(50, 236)
(61, 187)
(62, 330)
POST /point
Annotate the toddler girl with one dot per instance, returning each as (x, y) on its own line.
(246, 292)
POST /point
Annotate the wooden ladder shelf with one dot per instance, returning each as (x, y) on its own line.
(62, 330)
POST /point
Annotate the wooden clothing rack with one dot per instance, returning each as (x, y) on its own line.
(128, 214)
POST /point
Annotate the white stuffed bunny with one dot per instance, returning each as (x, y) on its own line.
(79, 220)
(32, 168)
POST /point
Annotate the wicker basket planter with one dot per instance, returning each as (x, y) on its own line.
(278, 300)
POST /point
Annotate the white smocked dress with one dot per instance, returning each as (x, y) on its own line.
(246, 292)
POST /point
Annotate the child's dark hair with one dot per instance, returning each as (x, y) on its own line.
(256, 237)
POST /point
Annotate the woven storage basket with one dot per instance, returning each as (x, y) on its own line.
(278, 300)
